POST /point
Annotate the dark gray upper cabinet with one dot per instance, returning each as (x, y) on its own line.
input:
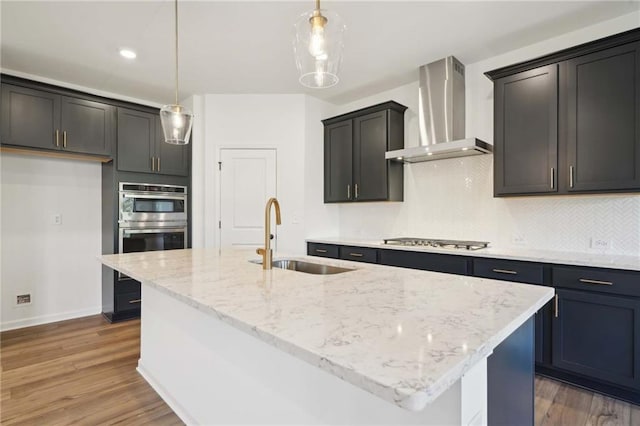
(87, 126)
(526, 132)
(355, 168)
(338, 160)
(40, 119)
(30, 118)
(569, 122)
(171, 159)
(136, 141)
(141, 146)
(602, 95)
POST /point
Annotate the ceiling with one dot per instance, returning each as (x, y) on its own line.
(246, 46)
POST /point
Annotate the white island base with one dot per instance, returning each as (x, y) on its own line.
(209, 372)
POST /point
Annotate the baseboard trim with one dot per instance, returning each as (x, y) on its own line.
(166, 396)
(46, 319)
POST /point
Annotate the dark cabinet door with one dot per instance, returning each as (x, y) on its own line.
(87, 126)
(30, 118)
(369, 164)
(598, 336)
(526, 132)
(171, 159)
(602, 92)
(338, 162)
(136, 141)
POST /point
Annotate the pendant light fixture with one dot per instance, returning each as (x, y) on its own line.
(317, 46)
(176, 119)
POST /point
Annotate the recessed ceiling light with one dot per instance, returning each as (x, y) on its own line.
(128, 53)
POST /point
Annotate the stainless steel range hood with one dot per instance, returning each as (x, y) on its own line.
(441, 116)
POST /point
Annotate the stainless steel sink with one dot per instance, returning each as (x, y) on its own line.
(306, 267)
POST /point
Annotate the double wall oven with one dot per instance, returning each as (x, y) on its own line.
(151, 217)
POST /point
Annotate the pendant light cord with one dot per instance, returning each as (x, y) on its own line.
(176, 10)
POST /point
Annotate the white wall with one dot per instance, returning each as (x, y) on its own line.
(454, 198)
(57, 264)
(253, 121)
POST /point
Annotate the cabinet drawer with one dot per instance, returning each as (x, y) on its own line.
(323, 250)
(509, 270)
(450, 264)
(127, 301)
(359, 254)
(593, 279)
(127, 286)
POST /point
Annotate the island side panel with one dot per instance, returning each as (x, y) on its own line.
(510, 372)
(211, 373)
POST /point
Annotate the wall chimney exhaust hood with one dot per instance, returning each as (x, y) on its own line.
(441, 116)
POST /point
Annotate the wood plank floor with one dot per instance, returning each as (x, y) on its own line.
(83, 371)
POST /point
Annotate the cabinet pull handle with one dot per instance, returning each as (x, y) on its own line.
(135, 301)
(153, 164)
(348, 192)
(64, 139)
(356, 254)
(158, 158)
(505, 271)
(555, 299)
(57, 138)
(321, 251)
(588, 281)
(553, 178)
(571, 176)
(356, 190)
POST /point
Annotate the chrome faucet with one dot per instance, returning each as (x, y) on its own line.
(266, 252)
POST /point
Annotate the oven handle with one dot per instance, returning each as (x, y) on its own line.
(152, 231)
(158, 196)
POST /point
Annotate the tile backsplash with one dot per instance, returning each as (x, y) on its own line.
(454, 199)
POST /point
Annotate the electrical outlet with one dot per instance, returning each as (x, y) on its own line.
(518, 240)
(600, 244)
(57, 219)
(23, 299)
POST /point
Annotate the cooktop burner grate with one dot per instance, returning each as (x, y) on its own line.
(427, 242)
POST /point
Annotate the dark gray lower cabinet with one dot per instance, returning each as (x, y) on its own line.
(593, 341)
(510, 379)
(121, 299)
(598, 336)
(459, 265)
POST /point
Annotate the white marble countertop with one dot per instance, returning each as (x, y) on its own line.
(599, 260)
(404, 335)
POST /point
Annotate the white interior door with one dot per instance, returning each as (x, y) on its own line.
(247, 181)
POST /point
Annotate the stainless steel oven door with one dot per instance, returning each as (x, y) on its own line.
(134, 240)
(135, 207)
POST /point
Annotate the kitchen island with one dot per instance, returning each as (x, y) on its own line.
(224, 341)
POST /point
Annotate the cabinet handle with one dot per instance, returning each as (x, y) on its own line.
(158, 158)
(320, 251)
(571, 176)
(555, 299)
(356, 254)
(153, 164)
(356, 190)
(505, 271)
(135, 301)
(588, 281)
(64, 139)
(57, 138)
(553, 178)
(348, 192)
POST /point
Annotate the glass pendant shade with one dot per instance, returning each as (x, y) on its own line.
(176, 124)
(318, 45)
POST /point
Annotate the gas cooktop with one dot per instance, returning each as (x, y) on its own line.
(426, 242)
